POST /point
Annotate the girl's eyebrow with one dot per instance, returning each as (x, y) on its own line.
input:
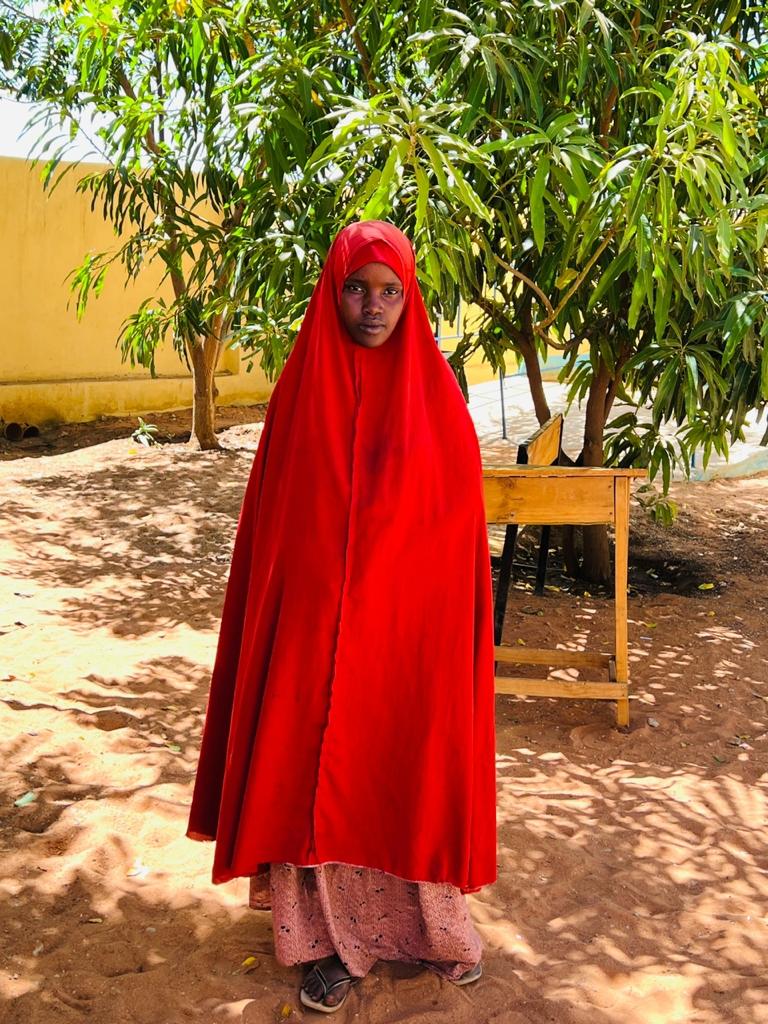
(359, 280)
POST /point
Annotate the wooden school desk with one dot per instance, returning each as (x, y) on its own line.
(568, 495)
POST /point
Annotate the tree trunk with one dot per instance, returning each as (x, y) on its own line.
(530, 356)
(525, 342)
(597, 557)
(527, 347)
(204, 357)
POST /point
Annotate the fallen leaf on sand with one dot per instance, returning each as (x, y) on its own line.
(24, 801)
(139, 870)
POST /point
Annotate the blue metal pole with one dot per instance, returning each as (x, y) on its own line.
(503, 410)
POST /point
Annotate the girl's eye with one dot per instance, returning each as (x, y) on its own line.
(353, 286)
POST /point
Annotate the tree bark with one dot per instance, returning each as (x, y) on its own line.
(596, 565)
(527, 346)
(204, 358)
(524, 342)
(362, 50)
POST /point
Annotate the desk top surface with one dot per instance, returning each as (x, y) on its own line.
(568, 472)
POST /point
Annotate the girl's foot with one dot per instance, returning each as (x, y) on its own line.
(473, 974)
(326, 985)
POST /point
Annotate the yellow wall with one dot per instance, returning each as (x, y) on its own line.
(478, 371)
(54, 367)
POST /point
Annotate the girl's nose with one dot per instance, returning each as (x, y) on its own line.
(372, 303)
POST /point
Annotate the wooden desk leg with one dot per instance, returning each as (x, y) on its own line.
(621, 560)
(502, 584)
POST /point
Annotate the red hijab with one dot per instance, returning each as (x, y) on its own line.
(351, 710)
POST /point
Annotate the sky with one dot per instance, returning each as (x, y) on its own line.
(13, 117)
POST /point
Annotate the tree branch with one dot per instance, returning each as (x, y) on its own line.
(365, 57)
(538, 329)
(125, 83)
(491, 308)
(525, 346)
(577, 283)
(613, 384)
(526, 280)
(608, 113)
(177, 278)
(20, 13)
(532, 364)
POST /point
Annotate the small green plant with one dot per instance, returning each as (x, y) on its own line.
(661, 508)
(145, 433)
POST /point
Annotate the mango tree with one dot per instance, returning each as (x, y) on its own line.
(148, 81)
(587, 174)
(584, 176)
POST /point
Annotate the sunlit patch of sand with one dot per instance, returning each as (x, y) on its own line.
(633, 880)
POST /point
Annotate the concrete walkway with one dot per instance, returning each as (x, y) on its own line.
(745, 458)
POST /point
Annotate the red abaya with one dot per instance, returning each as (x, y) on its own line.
(350, 717)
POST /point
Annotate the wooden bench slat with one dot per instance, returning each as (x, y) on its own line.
(542, 656)
(560, 688)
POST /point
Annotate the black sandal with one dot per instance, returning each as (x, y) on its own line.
(327, 986)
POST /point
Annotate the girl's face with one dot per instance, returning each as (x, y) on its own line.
(371, 303)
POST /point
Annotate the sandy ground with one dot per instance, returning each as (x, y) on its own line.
(632, 866)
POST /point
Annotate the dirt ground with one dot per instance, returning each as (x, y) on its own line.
(633, 880)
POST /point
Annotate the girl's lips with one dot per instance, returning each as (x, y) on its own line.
(371, 327)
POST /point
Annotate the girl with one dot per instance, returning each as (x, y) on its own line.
(347, 762)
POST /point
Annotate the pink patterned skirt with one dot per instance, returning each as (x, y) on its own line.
(364, 915)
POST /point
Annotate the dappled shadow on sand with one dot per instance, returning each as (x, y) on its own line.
(632, 877)
(632, 883)
(632, 863)
(136, 542)
(624, 896)
(654, 882)
(154, 955)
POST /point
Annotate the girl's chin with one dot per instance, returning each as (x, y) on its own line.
(373, 339)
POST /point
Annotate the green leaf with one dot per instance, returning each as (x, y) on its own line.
(637, 299)
(564, 279)
(724, 236)
(437, 161)
(662, 304)
(422, 196)
(538, 215)
(730, 145)
(612, 272)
